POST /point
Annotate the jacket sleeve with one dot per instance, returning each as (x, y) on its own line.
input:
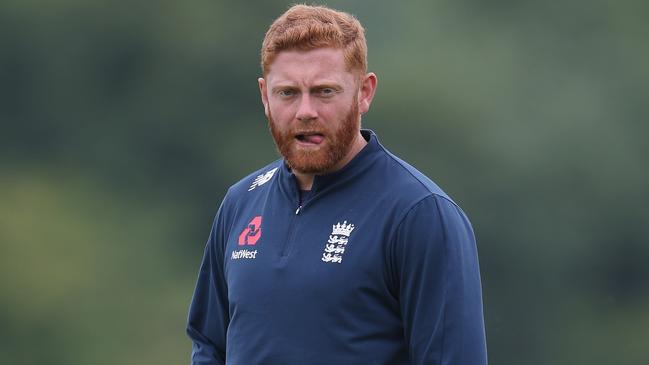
(436, 268)
(208, 314)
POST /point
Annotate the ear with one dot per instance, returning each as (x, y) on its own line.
(366, 92)
(264, 94)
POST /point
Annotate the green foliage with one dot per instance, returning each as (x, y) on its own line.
(122, 125)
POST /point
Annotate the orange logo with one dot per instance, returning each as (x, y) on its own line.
(251, 234)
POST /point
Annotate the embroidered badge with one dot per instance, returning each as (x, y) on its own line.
(335, 246)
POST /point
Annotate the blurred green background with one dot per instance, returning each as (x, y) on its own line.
(123, 124)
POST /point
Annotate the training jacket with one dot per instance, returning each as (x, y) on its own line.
(377, 265)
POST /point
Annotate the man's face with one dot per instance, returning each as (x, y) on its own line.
(311, 101)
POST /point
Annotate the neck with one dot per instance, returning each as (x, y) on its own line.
(305, 181)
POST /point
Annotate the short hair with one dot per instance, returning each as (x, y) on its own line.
(305, 27)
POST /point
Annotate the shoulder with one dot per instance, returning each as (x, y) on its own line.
(420, 206)
(409, 185)
(440, 213)
(254, 180)
(238, 192)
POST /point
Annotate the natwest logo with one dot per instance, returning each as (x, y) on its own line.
(251, 234)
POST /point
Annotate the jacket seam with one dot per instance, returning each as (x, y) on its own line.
(396, 161)
(446, 279)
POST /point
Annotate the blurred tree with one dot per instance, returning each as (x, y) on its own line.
(122, 127)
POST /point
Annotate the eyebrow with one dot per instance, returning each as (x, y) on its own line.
(323, 85)
(327, 85)
(282, 87)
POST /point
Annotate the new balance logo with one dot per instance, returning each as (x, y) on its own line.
(262, 179)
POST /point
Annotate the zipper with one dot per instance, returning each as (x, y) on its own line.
(292, 224)
(291, 233)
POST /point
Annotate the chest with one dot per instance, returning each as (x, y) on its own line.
(330, 254)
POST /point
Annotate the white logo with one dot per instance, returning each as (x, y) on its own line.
(262, 179)
(244, 254)
(335, 246)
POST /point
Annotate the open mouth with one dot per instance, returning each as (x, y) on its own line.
(311, 138)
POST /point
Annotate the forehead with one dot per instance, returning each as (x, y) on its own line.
(296, 66)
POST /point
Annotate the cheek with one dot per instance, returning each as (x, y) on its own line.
(335, 111)
(282, 112)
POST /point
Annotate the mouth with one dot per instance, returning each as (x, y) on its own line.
(309, 138)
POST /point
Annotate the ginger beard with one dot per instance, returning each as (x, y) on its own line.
(336, 143)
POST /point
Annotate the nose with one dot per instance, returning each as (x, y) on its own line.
(306, 110)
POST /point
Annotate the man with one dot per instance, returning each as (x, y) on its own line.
(339, 253)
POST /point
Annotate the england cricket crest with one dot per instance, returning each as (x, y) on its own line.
(335, 246)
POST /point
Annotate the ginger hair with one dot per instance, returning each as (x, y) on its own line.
(305, 27)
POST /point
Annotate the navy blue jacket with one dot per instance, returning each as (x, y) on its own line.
(376, 266)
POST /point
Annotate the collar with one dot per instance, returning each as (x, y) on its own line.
(321, 183)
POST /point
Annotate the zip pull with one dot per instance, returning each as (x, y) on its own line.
(298, 210)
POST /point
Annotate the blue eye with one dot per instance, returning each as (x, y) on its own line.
(286, 93)
(327, 91)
